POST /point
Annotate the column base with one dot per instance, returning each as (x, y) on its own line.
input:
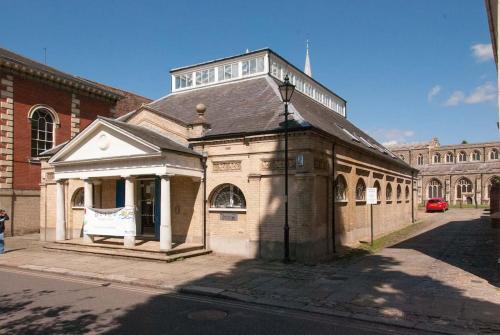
(165, 238)
(129, 241)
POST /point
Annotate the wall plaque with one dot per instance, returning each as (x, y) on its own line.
(229, 217)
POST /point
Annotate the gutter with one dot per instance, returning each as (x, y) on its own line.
(334, 204)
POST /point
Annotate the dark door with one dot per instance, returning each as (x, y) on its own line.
(147, 206)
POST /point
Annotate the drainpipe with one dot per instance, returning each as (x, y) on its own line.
(412, 200)
(204, 165)
(334, 249)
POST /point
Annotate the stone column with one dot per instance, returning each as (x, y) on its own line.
(60, 211)
(129, 241)
(165, 215)
(88, 202)
(97, 194)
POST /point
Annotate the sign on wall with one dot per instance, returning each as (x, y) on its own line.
(371, 196)
(109, 222)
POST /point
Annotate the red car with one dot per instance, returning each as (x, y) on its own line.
(436, 204)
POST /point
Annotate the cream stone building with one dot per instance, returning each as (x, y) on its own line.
(460, 173)
(204, 165)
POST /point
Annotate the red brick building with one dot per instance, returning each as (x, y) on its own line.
(42, 107)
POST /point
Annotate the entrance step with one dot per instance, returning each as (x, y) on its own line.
(163, 256)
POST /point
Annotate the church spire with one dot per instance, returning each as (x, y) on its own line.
(307, 66)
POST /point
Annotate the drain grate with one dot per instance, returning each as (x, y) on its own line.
(207, 315)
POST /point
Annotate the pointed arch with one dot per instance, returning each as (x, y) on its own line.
(463, 187)
(434, 189)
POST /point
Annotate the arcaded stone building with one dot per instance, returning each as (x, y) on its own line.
(205, 165)
(460, 173)
(41, 107)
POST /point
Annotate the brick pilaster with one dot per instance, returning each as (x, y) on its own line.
(6, 130)
(75, 115)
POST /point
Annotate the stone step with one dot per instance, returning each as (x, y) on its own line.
(181, 249)
(127, 253)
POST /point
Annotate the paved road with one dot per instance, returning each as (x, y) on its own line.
(33, 303)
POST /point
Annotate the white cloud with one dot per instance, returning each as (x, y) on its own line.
(483, 93)
(482, 52)
(455, 99)
(433, 92)
(390, 137)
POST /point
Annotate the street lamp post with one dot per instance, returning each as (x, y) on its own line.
(286, 91)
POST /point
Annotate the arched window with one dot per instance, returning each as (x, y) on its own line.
(228, 196)
(420, 159)
(78, 198)
(436, 158)
(464, 186)
(449, 157)
(476, 155)
(462, 156)
(388, 192)
(360, 190)
(493, 154)
(435, 189)
(42, 131)
(340, 189)
(398, 193)
(377, 186)
(407, 192)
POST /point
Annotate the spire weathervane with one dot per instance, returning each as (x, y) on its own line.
(307, 66)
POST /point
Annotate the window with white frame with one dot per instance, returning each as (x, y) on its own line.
(420, 159)
(360, 190)
(252, 66)
(42, 131)
(436, 158)
(228, 196)
(228, 71)
(184, 80)
(494, 154)
(476, 155)
(205, 76)
(449, 157)
(462, 156)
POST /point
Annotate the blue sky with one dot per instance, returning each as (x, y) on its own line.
(410, 70)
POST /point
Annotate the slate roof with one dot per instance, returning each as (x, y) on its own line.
(157, 139)
(254, 106)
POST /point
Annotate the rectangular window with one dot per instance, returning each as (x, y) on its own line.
(228, 71)
(184, 80)
(252, 66)
(205, 76)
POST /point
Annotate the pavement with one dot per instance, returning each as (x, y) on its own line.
(441, 279)
(37, 303)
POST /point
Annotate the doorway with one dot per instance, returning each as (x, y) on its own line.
(147, 206)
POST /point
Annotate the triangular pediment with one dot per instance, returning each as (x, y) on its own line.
(101, 140)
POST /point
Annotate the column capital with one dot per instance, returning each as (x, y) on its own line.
(60, 180)
(166, 175)
(127, 177)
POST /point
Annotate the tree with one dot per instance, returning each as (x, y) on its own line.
(465, 142)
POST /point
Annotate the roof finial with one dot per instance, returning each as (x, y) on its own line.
(307, 66)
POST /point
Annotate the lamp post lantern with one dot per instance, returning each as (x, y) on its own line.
(286, 91)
